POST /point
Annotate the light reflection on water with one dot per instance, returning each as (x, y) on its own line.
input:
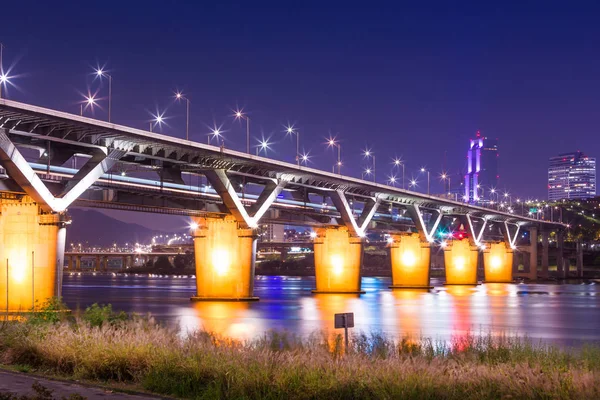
(562, 314)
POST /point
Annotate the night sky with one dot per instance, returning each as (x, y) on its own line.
(415, 80)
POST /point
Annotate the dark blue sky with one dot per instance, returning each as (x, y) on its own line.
(413, 80)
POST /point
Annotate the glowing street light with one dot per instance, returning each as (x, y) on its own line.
(216, 133)
(304, 158)
(289, 130)
(426, 170)
(368, 153)
(101, 73)
(263, 146)
(397, 163)
(179, 96)
(413, 183)
(89, 101)
(332, 143)
(157, 120)
(366, 172)
(392, 180)
(444, 176)
(239, 114)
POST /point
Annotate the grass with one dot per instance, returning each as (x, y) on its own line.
(105, 346)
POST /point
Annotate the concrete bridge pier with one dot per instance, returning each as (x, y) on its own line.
(410, 261)
(105, 263)
(461, 260)
(70, 263)
(78, 263)
(32, 245)
(97, 265)
(225, 260)
(579, 261)
(561, 267)
(338, 260)
(498, 262)
(545, 253)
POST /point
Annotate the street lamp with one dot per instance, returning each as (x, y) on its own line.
(304, 158)
(90, 101)
(444, 176)
(179, 96)
(289, 130)
(263, 146)
(366, 172)
(158, 120)
(368, 153)
(332, 143)
(425, 170)
(100, 73)
(216, 132)
(392, 180)
(397, 163)
(413, 183)
(239, 114)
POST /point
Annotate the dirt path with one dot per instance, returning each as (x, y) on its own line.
(21, 384)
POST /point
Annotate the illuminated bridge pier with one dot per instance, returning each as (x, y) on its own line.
(53, 160)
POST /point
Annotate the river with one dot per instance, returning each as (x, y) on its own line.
(561, 314)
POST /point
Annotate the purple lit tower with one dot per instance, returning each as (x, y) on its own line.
(482, 169)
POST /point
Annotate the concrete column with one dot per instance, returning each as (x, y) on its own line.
(97, 266)
(225, 260)
(31, 254)
(579, 262)
(77, 263)
(545, 253)
(533, 254)
(561, 269)
(105, 263)
(123, 262)
(498, 263)
(338, 260)
(70, 263)
(410, 260)
(460, 262)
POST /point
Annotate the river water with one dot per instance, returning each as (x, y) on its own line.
(562, 314)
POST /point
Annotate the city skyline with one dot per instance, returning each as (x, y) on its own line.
(362, 113)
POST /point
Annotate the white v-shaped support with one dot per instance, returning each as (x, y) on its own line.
(511, 238)
(414, 211)
(224, 188)
(19, 169)
(338, 197)
(476, 237)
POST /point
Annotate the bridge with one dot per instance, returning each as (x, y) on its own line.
(53, 160)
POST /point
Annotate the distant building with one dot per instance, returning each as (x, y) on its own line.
(272, 233)
(571, 176)
(482, 168)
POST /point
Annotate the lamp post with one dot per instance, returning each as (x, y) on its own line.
(366, 172)
(89, 101)
(397, 163)
(289, 130)
(304, 158)
(263, 146)
(368, 153)
(426, 170)
(180, 96)
(413, 183)
(392, 180)
(216, 132)
(444, 176)
(332, 143)
(158, 120)
(100, 73)
(239, 114)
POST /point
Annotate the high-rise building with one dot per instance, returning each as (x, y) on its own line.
(272, 233)
(571, 176)
(482, 168)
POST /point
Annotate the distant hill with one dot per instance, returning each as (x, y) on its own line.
(98, 229)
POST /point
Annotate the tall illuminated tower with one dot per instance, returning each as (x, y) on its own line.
(482, 168)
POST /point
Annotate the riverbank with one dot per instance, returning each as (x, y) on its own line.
(114, 348)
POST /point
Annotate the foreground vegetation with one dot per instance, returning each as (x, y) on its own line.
(105, 346)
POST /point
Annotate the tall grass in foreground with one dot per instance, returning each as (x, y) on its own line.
(106, 346)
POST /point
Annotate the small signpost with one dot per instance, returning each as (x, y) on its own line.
(344, 320)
